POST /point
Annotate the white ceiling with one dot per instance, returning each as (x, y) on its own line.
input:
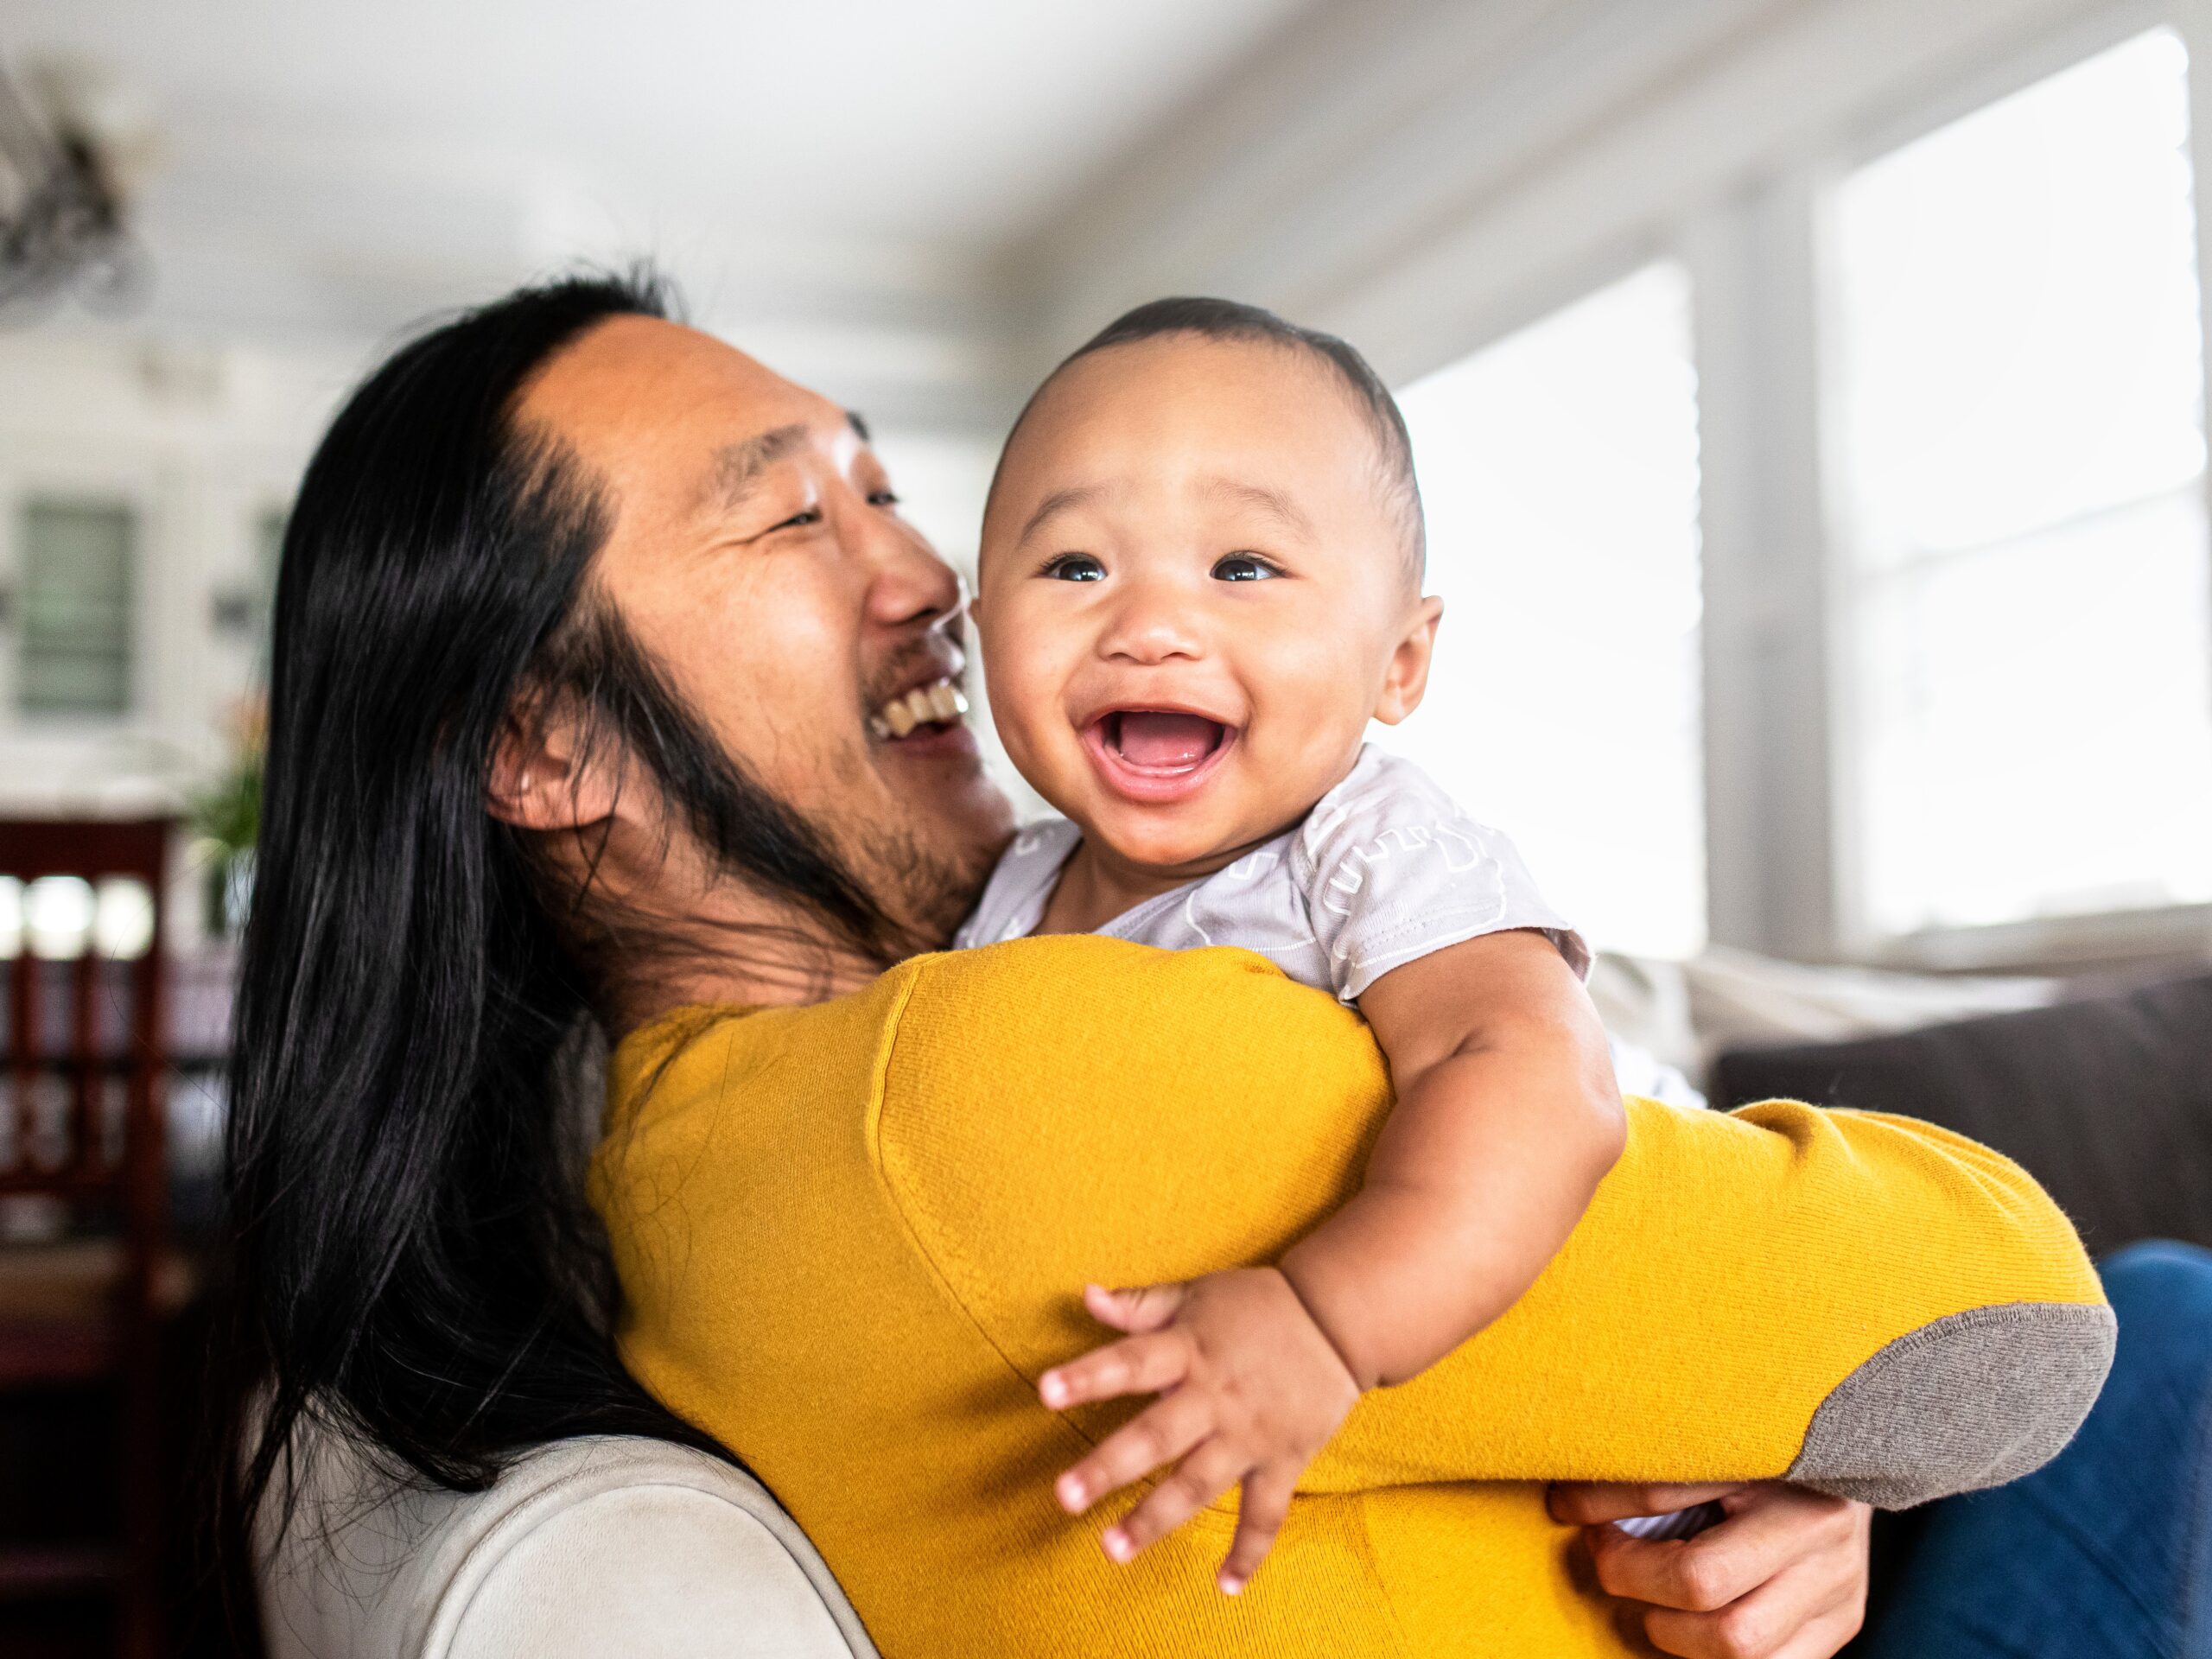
(922, 117)
(344, 163)
(914, 204)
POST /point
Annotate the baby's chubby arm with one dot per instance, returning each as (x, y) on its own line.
(1507, 1118)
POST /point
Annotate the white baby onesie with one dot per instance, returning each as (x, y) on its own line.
(1386, 868)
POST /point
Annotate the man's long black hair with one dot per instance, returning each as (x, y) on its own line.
(415, 1265)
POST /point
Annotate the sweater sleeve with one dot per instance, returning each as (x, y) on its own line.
(1862, 1303)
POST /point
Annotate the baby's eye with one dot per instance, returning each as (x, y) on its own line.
(1242, 567)
(1075, 567)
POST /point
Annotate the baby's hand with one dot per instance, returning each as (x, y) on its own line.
(1250, 1390)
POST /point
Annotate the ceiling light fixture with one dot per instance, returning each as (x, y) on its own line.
(63, 224)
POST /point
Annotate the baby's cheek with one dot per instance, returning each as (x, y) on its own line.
(1316, 681)
(1023, 680)
(1311, 704)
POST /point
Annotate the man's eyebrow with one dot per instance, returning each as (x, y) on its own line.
(1057, 502)
(738, 468)
(1273, 502)
(860, 427)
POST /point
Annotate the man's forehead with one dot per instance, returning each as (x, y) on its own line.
(637, 392)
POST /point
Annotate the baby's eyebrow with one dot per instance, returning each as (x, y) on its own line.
(1059, 501)
(1273, 502)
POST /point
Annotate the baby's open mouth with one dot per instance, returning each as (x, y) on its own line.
(1156, 755)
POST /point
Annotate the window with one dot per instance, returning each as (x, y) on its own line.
(244, 610)
(78, 577)
(1559, 472)
(268, 555)
(2020, 379)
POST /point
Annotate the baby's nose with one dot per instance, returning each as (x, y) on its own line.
(1151, 630)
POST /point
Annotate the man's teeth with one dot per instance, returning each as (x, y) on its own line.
(939, 702)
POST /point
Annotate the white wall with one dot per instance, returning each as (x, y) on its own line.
(201, 438)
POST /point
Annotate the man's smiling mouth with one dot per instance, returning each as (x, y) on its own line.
(937, 703)
(1156, 756)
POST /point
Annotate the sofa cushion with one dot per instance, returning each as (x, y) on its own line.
(2107, 1101)
(601, 1545)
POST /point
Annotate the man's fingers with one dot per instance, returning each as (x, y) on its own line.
(1146, 1308)
(1209, 1471)
(1726, 1562)
(1161, 1434)
(1800, 1614)
(1259, 1515)
(1586, 1504)
(1692, 1574)
(1782, 1578)
(1825, 1637)
(1143, 1365)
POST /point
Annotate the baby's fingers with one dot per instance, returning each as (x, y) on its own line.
(1160, 1434)
(1146, 1308)
(1259, 1518)
(1144, 1364)
(1201, 1477)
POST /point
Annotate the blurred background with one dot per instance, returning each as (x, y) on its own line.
(1808, 395)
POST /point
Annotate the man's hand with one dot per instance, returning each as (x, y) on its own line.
(1782, 1577)
(1250, 1390)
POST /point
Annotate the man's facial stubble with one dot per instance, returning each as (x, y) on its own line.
(879, 888)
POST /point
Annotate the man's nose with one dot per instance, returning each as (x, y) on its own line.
(907, 582)
(1153, 624)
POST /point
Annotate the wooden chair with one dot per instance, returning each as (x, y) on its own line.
(85, 1310)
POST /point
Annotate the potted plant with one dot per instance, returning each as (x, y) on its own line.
(227, 819)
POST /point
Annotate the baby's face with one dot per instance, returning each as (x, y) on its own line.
(1194, 594)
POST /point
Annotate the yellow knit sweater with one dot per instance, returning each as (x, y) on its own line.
(851, 1235)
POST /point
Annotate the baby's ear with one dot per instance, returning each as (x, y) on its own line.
(1407, 678)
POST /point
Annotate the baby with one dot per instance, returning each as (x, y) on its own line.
(1200, 579)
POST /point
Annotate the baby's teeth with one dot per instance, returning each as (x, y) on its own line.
(899, 717)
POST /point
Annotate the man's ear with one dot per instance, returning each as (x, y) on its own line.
(1407, 678)
(544, 776)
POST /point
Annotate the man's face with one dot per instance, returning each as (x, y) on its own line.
(757, 557)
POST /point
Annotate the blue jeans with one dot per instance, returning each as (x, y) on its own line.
(2105, 1552)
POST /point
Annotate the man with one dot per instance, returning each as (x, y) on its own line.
(744, 499)
(647, 601)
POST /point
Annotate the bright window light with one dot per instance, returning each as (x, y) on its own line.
(1559, 471)
(2020, 388)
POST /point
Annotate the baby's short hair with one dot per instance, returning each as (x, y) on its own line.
(1231, 319)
